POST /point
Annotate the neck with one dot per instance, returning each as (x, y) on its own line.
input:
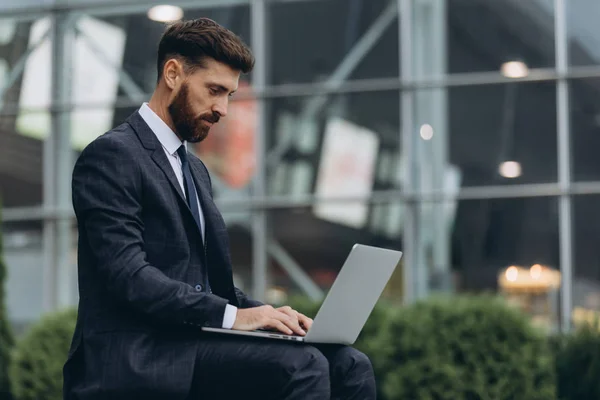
(160, 106)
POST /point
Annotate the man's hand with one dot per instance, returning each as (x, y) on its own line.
(283, 319)
(302, 319)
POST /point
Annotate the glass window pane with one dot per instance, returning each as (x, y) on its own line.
(14, 41)
(586, 224)
(586, 257)
(310, 40)
(20, 157)
(583, 32)
(21, 162)
(482, 35)
(318, 241)
(23, 255)
(21, 5)
(341, 145)
(496, 134)
(480, 239)
(585, 126)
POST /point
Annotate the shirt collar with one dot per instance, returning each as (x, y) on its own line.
(165, 135)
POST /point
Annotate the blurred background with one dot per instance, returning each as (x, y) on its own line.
(465, 133)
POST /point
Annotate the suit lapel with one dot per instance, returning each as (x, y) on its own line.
(152, 144)
(160, 158)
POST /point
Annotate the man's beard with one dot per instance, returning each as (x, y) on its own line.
(188, 127)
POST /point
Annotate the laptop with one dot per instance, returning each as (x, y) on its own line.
(349, 302)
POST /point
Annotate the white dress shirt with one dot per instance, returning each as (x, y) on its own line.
(170, 143)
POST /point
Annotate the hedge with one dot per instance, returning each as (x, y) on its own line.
(6, 336)
(578, 363)
(464, 347)
(456, 347)
(39, 357)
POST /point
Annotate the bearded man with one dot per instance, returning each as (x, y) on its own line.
(154, 264)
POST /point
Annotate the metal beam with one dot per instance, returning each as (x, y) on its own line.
(430, 156)
(341, 73)
(115, 7)
(407, 140)
(15, 214)
(294, 270)
(58, 159)
(355, 86)
(118, 7)
(564, 166)
(258, 23)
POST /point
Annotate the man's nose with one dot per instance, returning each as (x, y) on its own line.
(221, 108)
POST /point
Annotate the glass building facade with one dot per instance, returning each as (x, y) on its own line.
(464, 132)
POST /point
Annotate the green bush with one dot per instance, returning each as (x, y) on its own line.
(464, 347)
(39, 357)
(457, 347)
(578, 364)
(6, 337)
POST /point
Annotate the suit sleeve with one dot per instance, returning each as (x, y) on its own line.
(245, 301)
(107, 192)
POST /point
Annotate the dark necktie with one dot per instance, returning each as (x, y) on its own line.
(192, 197)
(188, 183)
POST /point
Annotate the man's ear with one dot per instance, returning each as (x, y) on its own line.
(172, 73)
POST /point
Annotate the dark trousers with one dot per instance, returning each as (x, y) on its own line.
(237, 367)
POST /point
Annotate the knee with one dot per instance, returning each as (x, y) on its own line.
(303, 359)
(316, 362)
(363, 363)
(310, 368)
(356, 364)
(306, 374)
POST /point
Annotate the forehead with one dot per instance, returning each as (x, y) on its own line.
(217, 73)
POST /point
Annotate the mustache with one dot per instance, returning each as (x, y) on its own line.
(212, 118)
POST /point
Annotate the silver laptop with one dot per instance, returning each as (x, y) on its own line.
(349, 302)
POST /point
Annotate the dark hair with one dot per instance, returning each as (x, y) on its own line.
(195, 40)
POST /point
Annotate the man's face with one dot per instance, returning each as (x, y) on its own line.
(202, 99)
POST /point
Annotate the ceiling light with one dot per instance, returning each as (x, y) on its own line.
(165, 13)
(426, 131)
(514, 69)
(510, 169)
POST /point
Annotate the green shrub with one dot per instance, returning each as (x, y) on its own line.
(39, 357)
(578, 364)
(6, 337)
(464, 347)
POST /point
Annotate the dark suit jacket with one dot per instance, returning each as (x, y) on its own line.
(139, 262)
